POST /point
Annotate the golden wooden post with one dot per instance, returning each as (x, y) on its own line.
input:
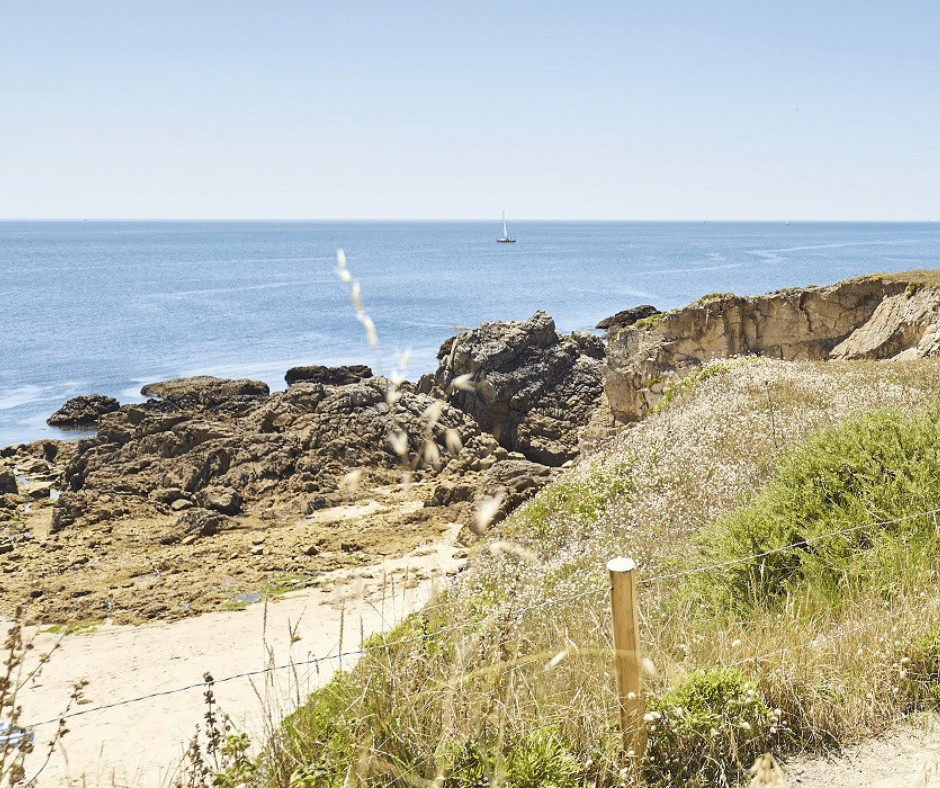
(623, 605)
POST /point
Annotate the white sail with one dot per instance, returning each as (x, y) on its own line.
(505, 239)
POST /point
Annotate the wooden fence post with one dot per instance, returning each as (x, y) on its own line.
(623, 604)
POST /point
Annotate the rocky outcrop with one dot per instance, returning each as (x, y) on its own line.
(904, 325)
(83, 410)
(328, 376)
(627, 317)
(204, 390)
(524, 383)
(231, 447)
(507, 485)
(298, 444)
(213, 479)
(872, 317)
(8, 482)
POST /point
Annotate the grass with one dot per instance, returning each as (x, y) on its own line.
(859, 481)
(83, 627)
(713, 297)
(649, 322)
(506, 676)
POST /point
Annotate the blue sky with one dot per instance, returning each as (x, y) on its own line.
(459, 110)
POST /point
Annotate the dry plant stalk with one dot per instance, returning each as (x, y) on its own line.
(16, 741)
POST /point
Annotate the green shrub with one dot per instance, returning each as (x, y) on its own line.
(556, 511)
(835, 516)
(707, 730)
(713, 297)
(649, 322)
(920, 671)
(536, 760)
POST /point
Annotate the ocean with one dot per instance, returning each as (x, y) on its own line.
(104, 307)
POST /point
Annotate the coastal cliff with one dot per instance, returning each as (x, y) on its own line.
(872, 317)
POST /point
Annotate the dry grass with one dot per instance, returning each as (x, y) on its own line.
(511, 666)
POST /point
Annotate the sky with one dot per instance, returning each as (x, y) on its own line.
(404, 109)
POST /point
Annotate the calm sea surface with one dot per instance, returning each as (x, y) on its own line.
(104, 307)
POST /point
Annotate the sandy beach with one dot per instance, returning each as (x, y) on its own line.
(139, 740)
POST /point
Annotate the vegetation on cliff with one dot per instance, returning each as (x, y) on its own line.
(830, 635)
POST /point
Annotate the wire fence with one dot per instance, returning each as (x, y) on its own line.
(601, 590)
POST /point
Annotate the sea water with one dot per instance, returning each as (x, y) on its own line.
(105, 307)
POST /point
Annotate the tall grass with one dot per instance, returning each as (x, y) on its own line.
(852, 510)
(506, 678)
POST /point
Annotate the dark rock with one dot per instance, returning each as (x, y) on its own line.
(627, 317)
(315, 504)
(8, 482)
(204, 390)
(231, 452)
(524, 383)
(590, 344)
(328, 376)
(294, 444)
(512, 483)
(83, 410)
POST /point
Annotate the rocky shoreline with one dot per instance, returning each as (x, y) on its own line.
(216, 492)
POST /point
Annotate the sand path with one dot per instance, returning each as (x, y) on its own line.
(140, 742)
(907, 757)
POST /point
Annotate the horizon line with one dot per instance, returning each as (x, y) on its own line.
(774, 220)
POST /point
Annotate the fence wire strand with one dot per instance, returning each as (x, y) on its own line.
(597, 590)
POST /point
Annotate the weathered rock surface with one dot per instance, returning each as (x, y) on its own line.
(205, 389)
(524, 383)
(293, 444)
(508, 484)
(8, 482)
(166, 505)
(627, 317)
(83, 410)
(328, 376)
(219, 479)
(872, 317)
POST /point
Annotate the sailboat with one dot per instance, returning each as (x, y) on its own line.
(505, 239)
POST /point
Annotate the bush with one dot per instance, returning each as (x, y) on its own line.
(836, 516)
(707, 730)
(920, 672)
(535, 760)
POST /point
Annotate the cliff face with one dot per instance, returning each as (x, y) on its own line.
(873, 317)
